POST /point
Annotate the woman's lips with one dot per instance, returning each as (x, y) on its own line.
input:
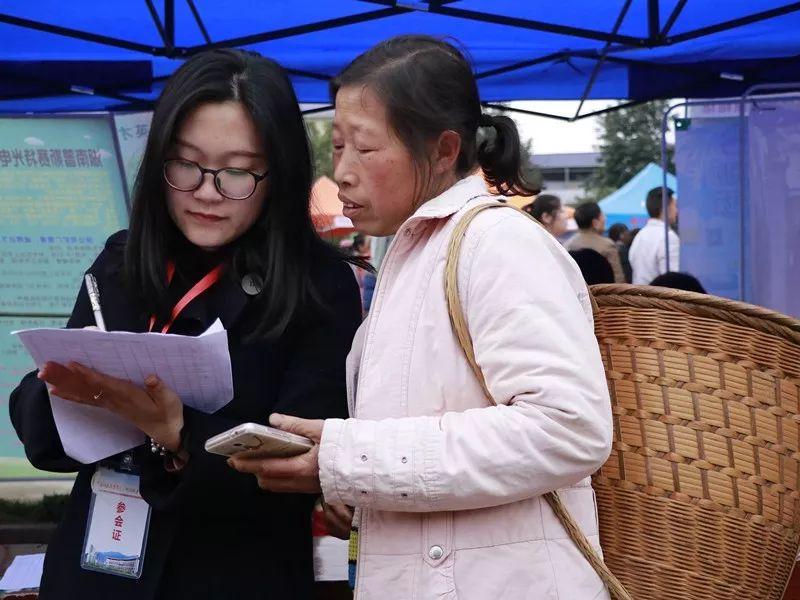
(205, 217)
(349, 208)
(350, 211)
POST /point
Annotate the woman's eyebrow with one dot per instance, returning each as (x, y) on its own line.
(246, 153)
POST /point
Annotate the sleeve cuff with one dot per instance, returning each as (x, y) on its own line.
(390, 465)
(328, 447)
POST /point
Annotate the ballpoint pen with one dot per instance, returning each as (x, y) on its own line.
(94, 298)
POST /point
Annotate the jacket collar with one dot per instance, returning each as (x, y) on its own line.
(226, 300)
(452, 199)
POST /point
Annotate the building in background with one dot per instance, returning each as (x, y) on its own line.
(565, 174)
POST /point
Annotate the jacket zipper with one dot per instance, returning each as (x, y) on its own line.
(377, 298)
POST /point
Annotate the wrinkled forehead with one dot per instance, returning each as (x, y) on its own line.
(358, 108)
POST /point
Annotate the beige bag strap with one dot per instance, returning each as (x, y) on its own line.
(459, 324)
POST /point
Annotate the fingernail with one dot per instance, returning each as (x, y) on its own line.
(275, 419)
(151, 381)
(231, 463)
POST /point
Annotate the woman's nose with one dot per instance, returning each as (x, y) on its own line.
(208, 191)
(343, 173)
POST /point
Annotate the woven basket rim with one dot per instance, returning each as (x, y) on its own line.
(693, 303)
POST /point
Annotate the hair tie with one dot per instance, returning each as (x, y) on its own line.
(486, 120)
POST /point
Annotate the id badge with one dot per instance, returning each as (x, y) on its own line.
(116, 532)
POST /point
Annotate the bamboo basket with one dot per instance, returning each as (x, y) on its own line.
(699, 498)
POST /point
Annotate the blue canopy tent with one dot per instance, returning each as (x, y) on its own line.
(626, 205)
(77, 56)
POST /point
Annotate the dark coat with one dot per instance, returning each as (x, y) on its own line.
(213, 532)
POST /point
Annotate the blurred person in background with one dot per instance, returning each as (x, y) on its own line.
(622, 237)
(679, 281)
(548, 210)
(591, 225)
(648, 253)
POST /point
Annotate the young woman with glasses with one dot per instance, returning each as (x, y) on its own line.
(219, 229)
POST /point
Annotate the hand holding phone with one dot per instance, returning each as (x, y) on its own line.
(258, 441)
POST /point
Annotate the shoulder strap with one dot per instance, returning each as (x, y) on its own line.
(461, 330)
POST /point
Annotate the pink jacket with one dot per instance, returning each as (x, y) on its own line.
(449, 487)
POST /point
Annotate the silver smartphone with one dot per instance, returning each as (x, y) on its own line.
(259, 440)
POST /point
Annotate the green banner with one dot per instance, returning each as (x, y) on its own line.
(62, 194)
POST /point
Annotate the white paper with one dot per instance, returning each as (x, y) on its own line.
(198, 369)
(330, 559)
(24, 573)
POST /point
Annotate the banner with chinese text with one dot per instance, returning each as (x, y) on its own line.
(132, 131)
(62, 194)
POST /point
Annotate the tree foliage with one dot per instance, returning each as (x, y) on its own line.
(630, 138)
(319, 135)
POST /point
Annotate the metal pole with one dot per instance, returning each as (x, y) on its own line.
(664, 194)
(742, 196)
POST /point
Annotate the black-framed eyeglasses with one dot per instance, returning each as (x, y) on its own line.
(235, 184)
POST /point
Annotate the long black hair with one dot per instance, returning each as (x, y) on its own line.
(427, 86)
(281, 245)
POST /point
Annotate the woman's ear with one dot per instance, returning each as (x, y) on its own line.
(446, 151)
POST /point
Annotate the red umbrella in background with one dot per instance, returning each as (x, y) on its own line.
(326, 210)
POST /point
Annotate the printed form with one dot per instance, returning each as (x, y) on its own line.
(197, 368)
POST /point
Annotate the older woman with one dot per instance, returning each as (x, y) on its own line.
(449, 487)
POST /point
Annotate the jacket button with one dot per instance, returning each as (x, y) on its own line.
(436, 552)
(252, 284)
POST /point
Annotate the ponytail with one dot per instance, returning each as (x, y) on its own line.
(500, 157)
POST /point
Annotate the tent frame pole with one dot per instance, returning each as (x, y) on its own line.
(599, 63)
(81, 35)
(169, 27)
(521, 23)
(555, 56)
(200, 24)
(534, 113)
(614, 41)
(285, 32)
(525, 111)
(734, 23)
(676, 12)
(156, 21)
(653, 21)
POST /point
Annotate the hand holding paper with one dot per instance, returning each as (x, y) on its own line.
(196, 369)
(156, 410)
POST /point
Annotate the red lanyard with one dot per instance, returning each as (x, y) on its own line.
(198, 288)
